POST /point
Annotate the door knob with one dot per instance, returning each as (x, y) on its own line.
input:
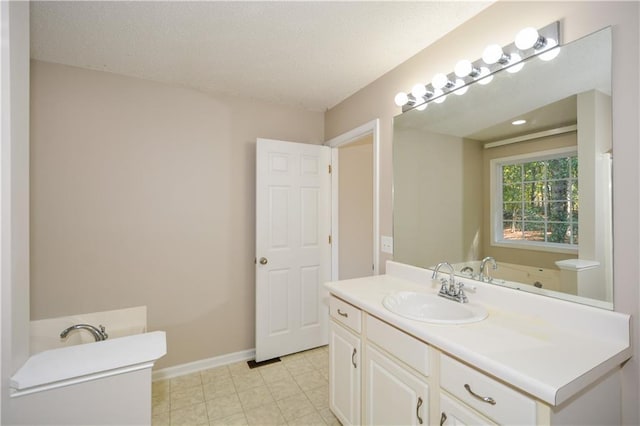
(263, 261)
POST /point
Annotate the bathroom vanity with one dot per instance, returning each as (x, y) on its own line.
(533, 360)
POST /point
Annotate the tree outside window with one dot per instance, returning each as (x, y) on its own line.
(540, 200)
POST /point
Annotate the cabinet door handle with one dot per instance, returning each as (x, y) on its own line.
(353, 358)
(418, 410)
(486, 399)
(443, 418)
(343, 314)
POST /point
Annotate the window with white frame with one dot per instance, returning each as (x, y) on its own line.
(536, 200)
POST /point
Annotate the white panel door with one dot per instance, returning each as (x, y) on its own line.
(293, 252)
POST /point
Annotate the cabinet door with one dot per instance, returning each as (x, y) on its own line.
(394, 396)
(344, 374)
(453, 413)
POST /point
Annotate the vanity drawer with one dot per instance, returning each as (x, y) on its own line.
(406, 348)
(346, 314)
(511, 407)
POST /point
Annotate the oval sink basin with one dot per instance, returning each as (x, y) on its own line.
(432, 308)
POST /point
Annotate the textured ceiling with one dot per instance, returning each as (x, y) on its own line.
(305, 54)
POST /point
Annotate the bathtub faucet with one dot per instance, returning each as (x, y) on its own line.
(98, 333)
(494, 266)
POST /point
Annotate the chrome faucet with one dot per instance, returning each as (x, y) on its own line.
(494, 266)
(98, 333)
(450, 289)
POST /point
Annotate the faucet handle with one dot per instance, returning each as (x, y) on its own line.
(102, 330)
(462, 298)
(444, 283)
(444, 286)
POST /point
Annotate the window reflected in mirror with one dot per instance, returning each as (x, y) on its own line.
(469, 183)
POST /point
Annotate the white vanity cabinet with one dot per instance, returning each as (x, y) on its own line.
(468, 396)
(495, 400)
(542, 361)
(396, 382)
(387, 383)
(345, 375)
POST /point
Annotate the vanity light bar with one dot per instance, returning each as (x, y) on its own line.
(529, 42)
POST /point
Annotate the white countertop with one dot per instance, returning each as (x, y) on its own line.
(548, 348)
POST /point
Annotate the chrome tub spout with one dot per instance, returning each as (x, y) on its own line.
(98, 333)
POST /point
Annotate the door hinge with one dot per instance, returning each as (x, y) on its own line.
(330, 169)
(329, 239)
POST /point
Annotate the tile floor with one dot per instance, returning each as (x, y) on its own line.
(294, 391)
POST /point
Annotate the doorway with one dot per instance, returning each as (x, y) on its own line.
(282, 327)
(355, 202)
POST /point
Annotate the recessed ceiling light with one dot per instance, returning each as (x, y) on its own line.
(518, 122)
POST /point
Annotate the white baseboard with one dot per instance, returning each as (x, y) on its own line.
(203, 364)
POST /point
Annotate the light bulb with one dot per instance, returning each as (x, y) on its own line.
(484, 77)
(463, 68)
(527, 38)
(418, 91)
(460, 88)
(552, 52)
(515, 58)
(492, 54)
(518, 122)
(438, 94)
(401, 99)
(439, 81)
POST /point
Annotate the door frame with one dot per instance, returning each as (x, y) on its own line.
(370, 128)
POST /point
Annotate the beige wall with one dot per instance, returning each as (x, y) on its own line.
(14, 191)
(438, 197)
(143, 194)
(498, 24)
(355, 206)
(594, 132)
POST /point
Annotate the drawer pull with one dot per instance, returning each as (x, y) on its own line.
(343, 314)
(418, 410)
(443, 418)
(486, 399)
(353, 358)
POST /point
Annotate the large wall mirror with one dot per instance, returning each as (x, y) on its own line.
(470, 184)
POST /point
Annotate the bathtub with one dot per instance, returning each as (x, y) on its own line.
(45, 334)
(79, 381)
(515, 275)
(557, 283)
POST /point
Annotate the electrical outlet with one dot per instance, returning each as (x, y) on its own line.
(386, 244)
